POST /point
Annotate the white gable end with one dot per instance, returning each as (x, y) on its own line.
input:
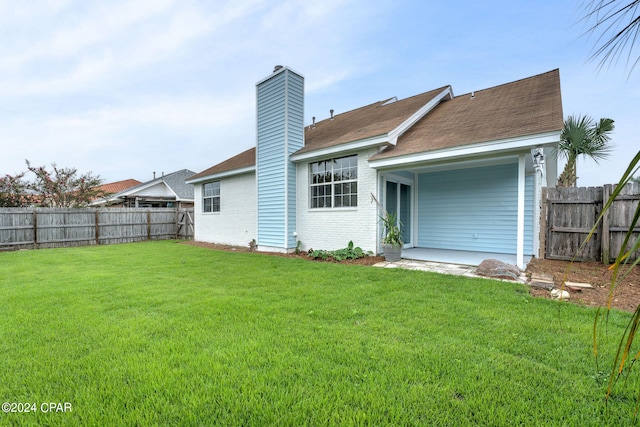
(158, 190)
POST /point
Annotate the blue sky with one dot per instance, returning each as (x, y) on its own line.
(126, 88)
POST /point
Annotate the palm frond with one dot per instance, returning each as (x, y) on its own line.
(618, 25)
(622, 357)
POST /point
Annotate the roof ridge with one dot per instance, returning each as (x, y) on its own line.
(508, 83)
(383, 103)
(356, 109)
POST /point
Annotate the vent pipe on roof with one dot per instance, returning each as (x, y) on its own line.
(331, 112)
(473, 94)
(313, 124)
(154, 174)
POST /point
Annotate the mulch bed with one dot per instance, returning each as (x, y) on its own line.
(626, 296)
(369, 260)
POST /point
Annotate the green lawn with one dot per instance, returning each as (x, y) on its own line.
(169, 334)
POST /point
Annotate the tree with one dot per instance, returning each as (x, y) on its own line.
(62, 187)
(618, 25)
(581, 136)
(13, 191)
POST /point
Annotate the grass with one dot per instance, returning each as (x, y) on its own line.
(168, 334)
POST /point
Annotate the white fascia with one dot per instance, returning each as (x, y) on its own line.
(479, 149)
(406, 125)
(375, 141)
(173, 192)
(140, 187)
(221, 175)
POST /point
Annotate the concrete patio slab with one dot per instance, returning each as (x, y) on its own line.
(439, 267)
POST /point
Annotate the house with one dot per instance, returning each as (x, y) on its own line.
(166, 191)
(463, 173)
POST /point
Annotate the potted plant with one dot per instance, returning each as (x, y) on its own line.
(392, 238)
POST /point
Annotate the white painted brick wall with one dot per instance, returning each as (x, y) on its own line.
(236, 223)
(332, 228)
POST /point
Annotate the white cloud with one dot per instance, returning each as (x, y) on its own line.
(71, 32)
(112, 86)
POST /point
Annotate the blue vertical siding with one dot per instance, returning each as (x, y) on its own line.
(280, 132)
(472, 209)
(528, 214)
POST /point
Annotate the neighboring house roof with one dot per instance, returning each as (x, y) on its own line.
(524, 107)
(172, 185)
(115, 187)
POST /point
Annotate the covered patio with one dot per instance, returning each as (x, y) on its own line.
(458, 257)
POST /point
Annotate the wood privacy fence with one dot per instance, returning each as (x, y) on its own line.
(28, 228)
(568, 215)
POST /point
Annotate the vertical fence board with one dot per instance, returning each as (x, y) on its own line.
(571, 213)
(27, 228)
(622, 210)
(16, 228)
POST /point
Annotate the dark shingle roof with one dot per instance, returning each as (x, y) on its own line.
(372, 120)
(245, 159)
(524, 107)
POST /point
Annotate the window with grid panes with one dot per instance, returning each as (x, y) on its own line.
(334, 183)
(211, 197)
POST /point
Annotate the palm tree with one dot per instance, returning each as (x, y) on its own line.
(582, 136)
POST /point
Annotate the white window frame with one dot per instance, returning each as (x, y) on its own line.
(211, 197)
(333, 183)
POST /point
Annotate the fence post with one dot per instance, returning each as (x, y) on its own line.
(605, 239)
(542, 233)
(34, 217)
(148, 224)
(97, 228)
(177, 222)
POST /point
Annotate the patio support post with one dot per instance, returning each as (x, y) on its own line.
(521, 198)
(537, 155)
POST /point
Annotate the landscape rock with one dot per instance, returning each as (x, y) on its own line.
(560, 294)
(498, 270)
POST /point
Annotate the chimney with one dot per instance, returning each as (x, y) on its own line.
(280, 133)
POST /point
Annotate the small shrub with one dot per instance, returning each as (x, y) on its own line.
(350, 252)
(319, 253)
